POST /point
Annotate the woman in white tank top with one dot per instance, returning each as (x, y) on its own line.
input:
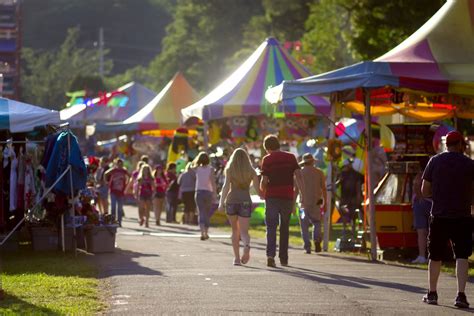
(205, 191)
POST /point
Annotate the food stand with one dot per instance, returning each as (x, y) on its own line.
(393, 209)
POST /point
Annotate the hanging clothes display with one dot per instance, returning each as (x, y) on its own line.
(30, 190)
(13, 180)
(20, 193)
(60, 159)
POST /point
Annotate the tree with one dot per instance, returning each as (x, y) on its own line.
(380, 25)
(202, 35)
(327, 37)
(281, 19)
(47, 76)
(93, 85)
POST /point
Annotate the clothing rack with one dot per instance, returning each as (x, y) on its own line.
(65, 127)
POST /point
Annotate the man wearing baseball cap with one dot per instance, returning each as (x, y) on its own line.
(315, 198)
(448, 180)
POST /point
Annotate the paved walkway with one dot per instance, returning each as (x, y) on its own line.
(171, 271)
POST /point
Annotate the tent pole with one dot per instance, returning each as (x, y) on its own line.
(329, 177)
(206, 136)
(368, 131)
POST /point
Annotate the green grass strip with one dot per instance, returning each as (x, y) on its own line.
(49, 283)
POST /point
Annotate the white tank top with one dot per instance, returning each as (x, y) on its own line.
(203, 178)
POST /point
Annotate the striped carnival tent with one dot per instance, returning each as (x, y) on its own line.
(164, 111)
(243, 92)
(128, 100)
(429, 76)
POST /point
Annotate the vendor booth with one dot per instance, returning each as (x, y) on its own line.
(393, 195)
(423, 78)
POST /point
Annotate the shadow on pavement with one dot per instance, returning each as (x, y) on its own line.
(168, 228)
(122, 262)
(337, 279)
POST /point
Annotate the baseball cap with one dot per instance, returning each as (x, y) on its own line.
(454, 137)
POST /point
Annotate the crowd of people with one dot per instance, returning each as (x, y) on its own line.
(441, 203)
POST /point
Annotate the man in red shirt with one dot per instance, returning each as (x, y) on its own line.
(117, 178)
(279, 169)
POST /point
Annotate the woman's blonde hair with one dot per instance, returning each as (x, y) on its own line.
(141, 172)
(239, 169)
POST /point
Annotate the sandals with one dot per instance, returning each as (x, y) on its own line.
(246, 255)
(237, 262)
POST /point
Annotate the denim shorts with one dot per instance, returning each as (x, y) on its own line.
(421, 213)
(240, 209)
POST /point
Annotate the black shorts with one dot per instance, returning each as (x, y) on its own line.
(159, 195)
(239, 209)
(458, 230)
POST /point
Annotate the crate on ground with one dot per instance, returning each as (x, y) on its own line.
(69, 238)
(44, 238)
(100, 238)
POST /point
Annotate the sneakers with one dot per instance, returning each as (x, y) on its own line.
(431, 298)
(461, 301)
(420, 259)
(236, 262)
(271, 262)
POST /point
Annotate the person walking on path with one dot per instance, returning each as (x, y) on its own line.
(235, 198)
(117, 178)
(205, 191)
(448, 180)
(421, 216)
(146, 186)
(172, 192)
(187, 189)
(132, 188)
(161, 183)
(102, 186)
(279, 169)
(316, 196)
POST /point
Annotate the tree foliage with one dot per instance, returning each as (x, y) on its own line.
(200, 38)
(327, 36)
(47, 76)
(380, 25)
(205, 40)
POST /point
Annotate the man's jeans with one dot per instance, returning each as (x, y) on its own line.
(117, 207)
(305, 222)
(171, 206)
(278, 211)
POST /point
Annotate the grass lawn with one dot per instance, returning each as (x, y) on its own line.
(49, 283)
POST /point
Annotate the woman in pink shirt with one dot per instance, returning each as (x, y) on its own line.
(161, 183)
(146, 185)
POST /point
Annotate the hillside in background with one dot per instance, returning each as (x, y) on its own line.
(133, 29)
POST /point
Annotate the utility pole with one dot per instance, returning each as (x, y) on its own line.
(101, 52)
